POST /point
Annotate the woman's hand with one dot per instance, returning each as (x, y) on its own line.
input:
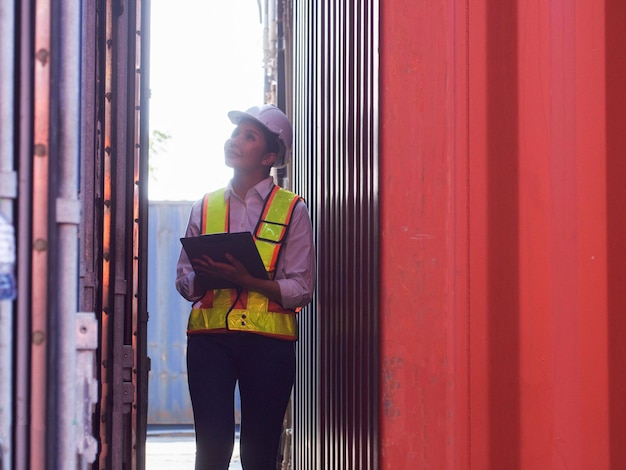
(233, 271)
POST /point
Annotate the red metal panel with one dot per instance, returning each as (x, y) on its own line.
(543, 372)
(615, 96)
(494, 257)
(423, 286)
(591, 226)
(543, 198)
(502, 197)
(423, 235)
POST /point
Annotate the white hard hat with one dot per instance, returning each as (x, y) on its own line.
(274, 120)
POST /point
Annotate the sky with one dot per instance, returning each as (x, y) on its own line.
(206, 58)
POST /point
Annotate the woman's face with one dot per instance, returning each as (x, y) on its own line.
(246, 150)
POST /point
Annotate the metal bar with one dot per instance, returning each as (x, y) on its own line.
(39, 311)
(106, 316)
(90, 143)
(8, 190)
(140, 266)
(90, 233)
(122, 204)
(39, 284)
(68, 219)
(24, 245)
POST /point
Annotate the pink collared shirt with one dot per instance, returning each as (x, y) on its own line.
(295, 272)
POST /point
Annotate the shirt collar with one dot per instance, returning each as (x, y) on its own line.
(262, 188)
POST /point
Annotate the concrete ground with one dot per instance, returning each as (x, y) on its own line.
(175, 450)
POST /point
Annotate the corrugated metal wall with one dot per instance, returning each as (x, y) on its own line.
(615, 115)
(501, 287)
(73, 79)
(336, 170)
(424, 235)
(169, 402)
(114, 254)
(502, 222)
(547, 178)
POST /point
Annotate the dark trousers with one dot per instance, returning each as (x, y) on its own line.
(265, 369)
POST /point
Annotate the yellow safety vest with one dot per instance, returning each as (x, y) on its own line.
(224, 309)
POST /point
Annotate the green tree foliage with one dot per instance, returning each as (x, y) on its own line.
(158, 149)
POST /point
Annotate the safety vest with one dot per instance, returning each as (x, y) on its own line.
(228, 309)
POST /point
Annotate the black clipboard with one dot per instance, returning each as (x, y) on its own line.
(239, 244)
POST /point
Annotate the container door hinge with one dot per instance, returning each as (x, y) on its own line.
(86, 383)
(128, 387)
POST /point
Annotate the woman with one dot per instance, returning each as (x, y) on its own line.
(246, 334)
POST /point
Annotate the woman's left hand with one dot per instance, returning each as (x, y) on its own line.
(233, 271)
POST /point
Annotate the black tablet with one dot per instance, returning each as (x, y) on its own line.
(239, 244)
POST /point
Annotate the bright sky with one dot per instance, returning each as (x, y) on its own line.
(206, 59)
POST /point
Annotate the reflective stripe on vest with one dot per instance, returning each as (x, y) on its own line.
(251, 311)
(218, 222)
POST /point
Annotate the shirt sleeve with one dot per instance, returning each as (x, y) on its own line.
(296, 266)
(184, 272)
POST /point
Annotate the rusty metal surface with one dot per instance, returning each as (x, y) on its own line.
(335, 169)
(112, 241)
(119, 224)
(40, 236)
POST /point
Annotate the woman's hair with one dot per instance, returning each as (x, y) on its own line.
(272, 141)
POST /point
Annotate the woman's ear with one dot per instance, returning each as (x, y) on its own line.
(270, 159)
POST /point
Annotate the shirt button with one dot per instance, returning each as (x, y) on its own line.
(243, 323)
(243, 316)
